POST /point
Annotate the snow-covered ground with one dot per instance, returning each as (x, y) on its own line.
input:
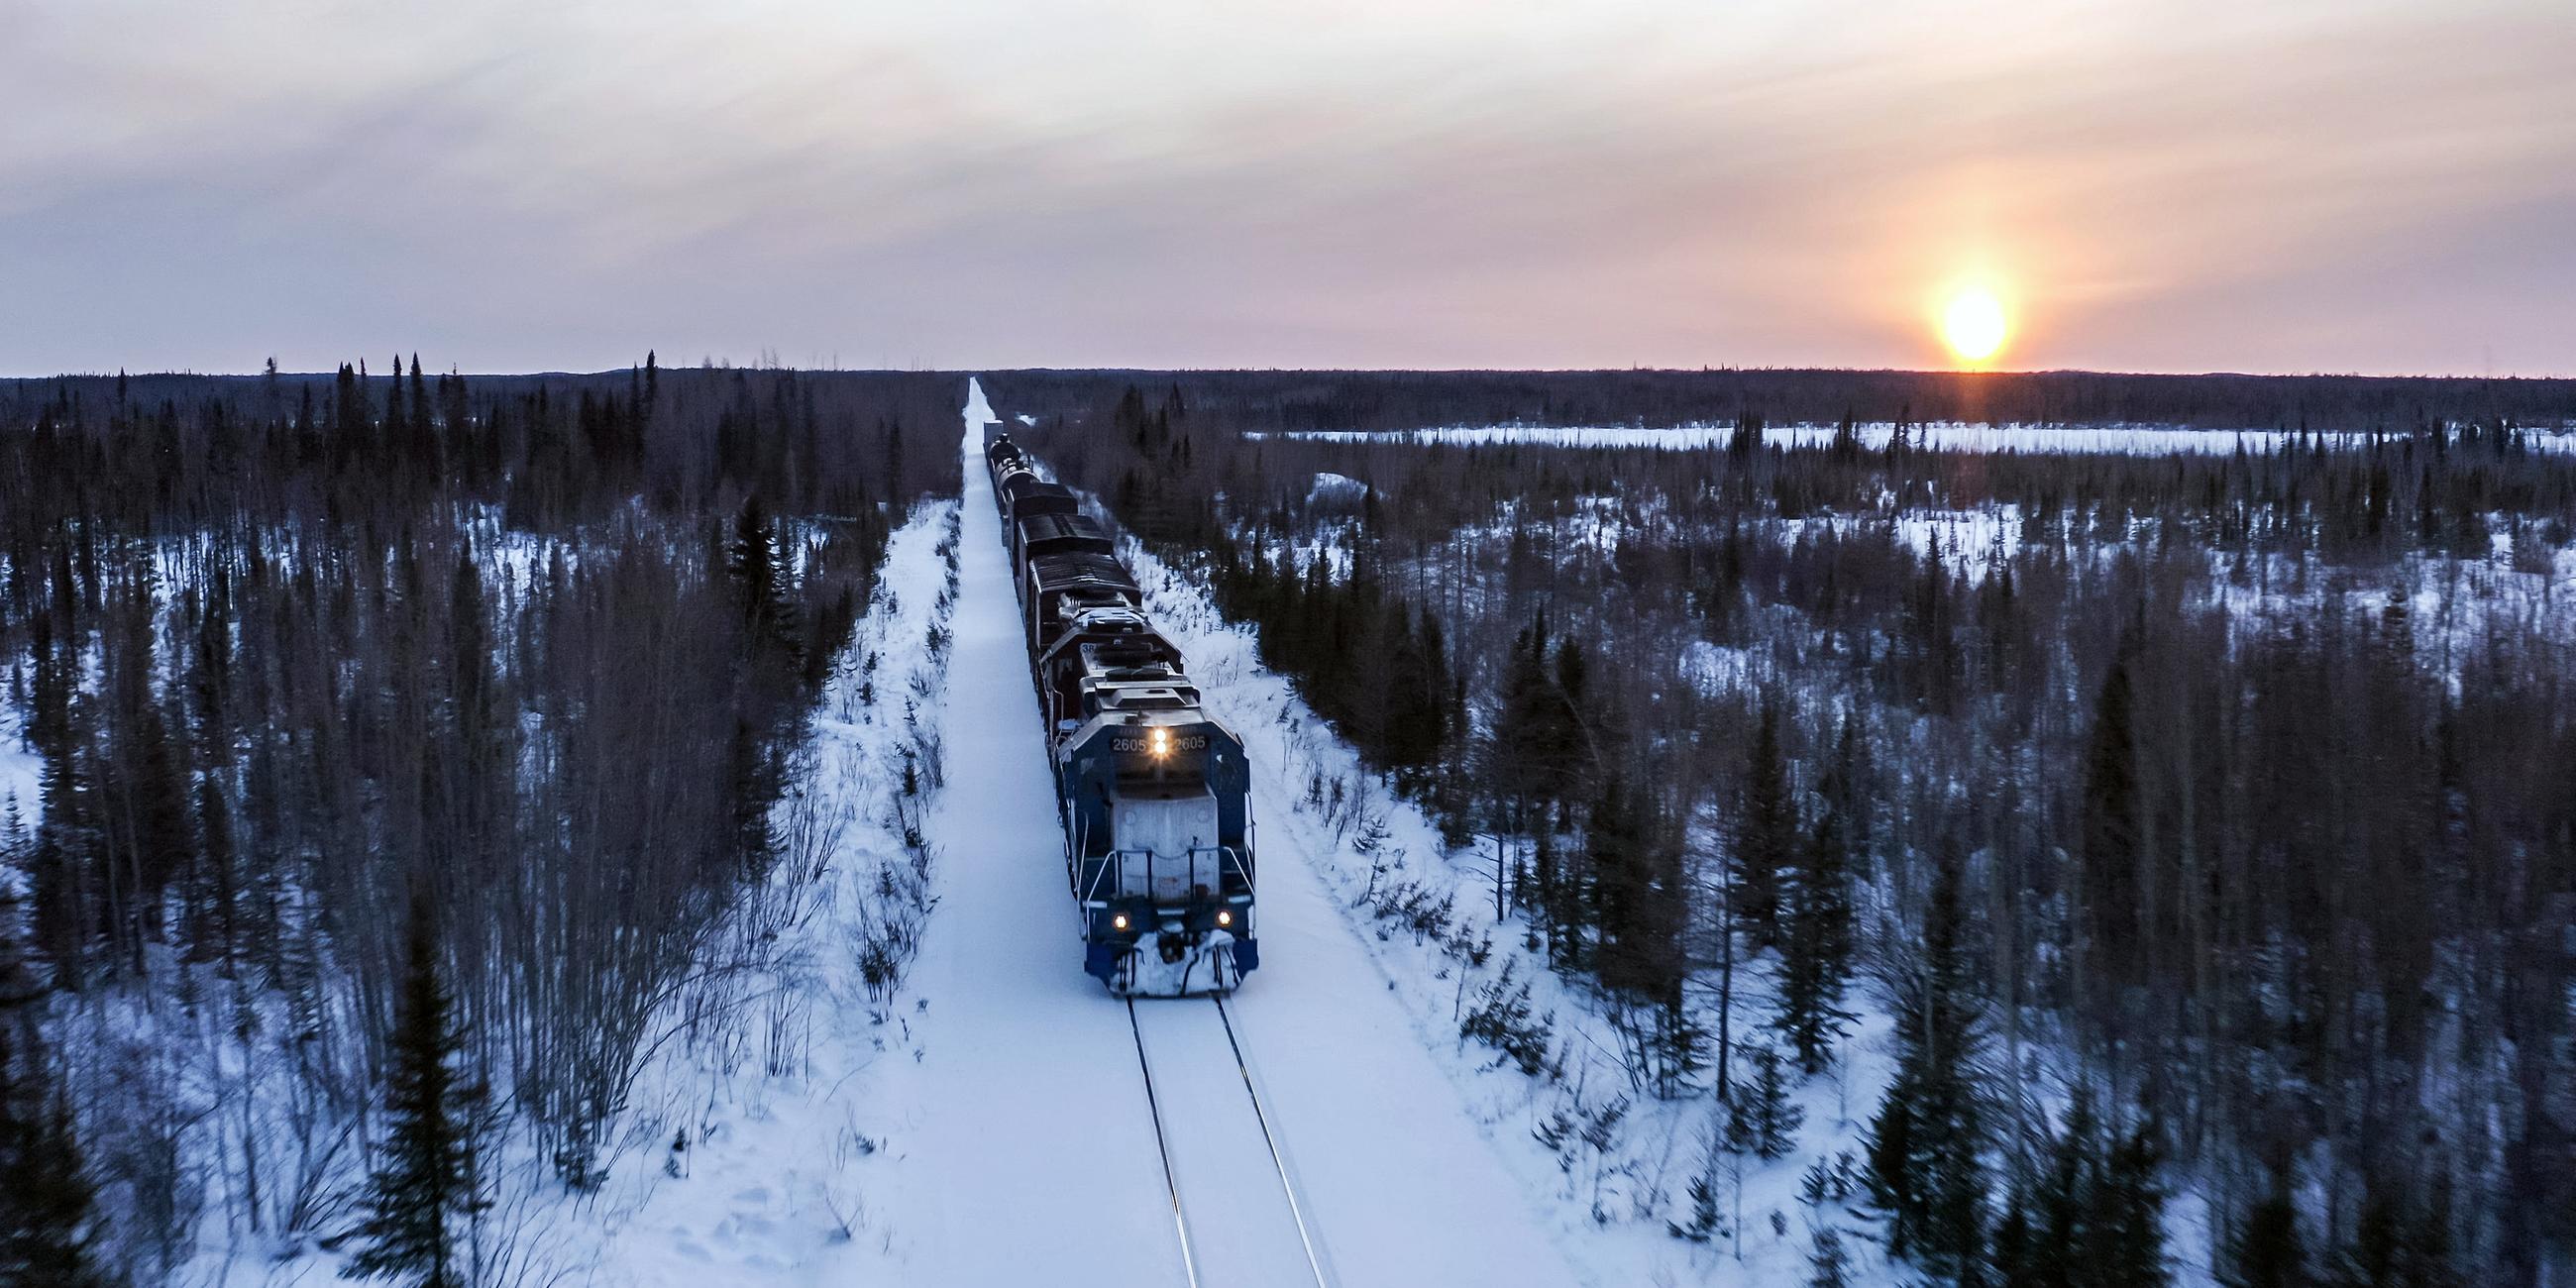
(21, 771)
(776, 1183)
(742, 1152)
(2142, 440)
(1025, 1153)
(1029, 1151)
(740, 1149)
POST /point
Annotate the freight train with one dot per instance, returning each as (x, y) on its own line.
(1153, 794)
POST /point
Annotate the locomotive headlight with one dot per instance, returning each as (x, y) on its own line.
(1225, 916)
(1118, 921)
(1158, 744)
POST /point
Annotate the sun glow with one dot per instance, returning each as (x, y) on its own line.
(1974, 325)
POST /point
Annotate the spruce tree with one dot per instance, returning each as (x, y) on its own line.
(1706, 1222)
(2129, 1217)
(1747, 436)
(761, 582)
(1815, 962)
(1766, 838)
(1412, 729)
(2110, 825)
(1775, 1117)
(1744, 1120)
(1828, 1265)
(421, 1196)
(2393, 1247)
(46, 1199)
(2010, 1251)
(1845, 447)
(1570, 756)
(2092, 1216)
(395, 417)
(1841, 790)
(1761, 1118)
(2264, 1251)
(2064, 1203)
(1615, 846)
(1927, 1143)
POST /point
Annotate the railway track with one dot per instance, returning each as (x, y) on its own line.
(1234, 1200)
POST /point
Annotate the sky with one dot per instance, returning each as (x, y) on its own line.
(2175, 185)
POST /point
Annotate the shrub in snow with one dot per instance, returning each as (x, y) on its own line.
(1501, 1020)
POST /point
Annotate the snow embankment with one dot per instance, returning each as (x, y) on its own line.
(746, 1152)
(1379, 941)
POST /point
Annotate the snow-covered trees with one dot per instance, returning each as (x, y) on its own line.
(2251, 765)
(284, 647)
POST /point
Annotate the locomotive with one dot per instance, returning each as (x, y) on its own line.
(1154, 795)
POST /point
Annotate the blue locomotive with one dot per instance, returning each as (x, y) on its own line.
(1154, 795)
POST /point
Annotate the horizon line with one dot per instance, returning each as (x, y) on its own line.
(971, 371)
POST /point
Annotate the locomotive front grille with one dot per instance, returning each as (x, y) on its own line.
(1175, 839)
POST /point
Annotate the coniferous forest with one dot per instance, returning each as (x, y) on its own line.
(2185, 843)
(401, 742)
(2205, 822)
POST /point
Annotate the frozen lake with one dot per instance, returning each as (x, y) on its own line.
(2143, 440)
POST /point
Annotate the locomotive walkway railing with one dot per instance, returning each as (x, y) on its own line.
(1130, 873)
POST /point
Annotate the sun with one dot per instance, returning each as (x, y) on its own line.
(1974, 325)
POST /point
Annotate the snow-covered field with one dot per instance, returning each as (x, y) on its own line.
(2141, 440)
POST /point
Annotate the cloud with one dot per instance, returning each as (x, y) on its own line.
(2178, 185)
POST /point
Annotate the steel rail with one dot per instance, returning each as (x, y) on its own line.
(1171, 1183)
(1278, 1163)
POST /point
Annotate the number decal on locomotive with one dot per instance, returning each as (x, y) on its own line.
(1195, 742)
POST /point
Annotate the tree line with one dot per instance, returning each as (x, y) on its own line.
(1290, 401)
